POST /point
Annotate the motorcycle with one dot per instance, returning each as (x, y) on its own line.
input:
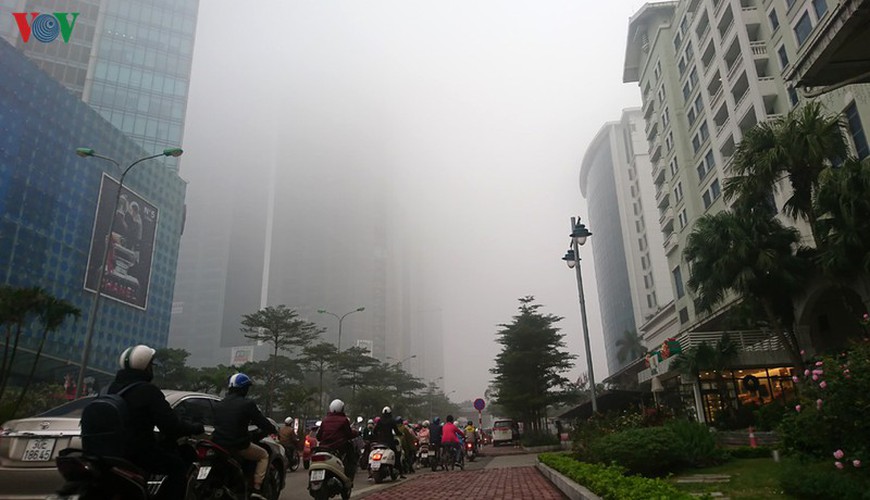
(222, 474)
(423, 455)
(310, 444)
(326, 477)
(470, 451)
(382, 463)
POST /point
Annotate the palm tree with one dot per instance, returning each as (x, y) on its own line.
(843, 206)
(52, 313)
(751, 255)
(800, 146)
(630, 346)
(17, 306)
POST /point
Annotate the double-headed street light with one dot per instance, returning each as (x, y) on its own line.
(340, 320)
(92, 317)
(579, 233)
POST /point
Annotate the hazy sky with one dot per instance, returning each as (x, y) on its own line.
(480, 112)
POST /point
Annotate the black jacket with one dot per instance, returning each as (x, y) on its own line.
(385, 432)
(232, 416)
(148, 409)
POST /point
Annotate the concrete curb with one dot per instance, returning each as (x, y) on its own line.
(568, 487)
(542, 449)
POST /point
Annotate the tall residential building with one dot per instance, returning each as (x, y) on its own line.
(55, 210)
(616, 181)
(709, 70)
(129, 60)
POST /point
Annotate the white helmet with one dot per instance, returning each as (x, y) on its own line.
(136, 357)
(336, 406)
(288, 421)
(386, 410)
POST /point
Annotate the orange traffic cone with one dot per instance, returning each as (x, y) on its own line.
(752, 442)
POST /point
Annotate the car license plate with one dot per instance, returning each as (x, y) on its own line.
(318, 475)
(375, 465)
(203, 472)
(38, 450)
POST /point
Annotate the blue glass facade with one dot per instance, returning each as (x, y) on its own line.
(48, 199)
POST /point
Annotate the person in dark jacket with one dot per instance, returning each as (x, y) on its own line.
(336, 434)
(435, 438)
(233, 415)
(386, 433)
(148, 408)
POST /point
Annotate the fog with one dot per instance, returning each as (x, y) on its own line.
(447, 135)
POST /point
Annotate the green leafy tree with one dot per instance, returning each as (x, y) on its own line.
(630, 346)
(173, 372)
(529, 368)
(273, 378)
(18, 306)
(353, 364)
(211, 379)
(52, 313)
(751, 255)
(319, 358)
(283, 329)
(799, 146)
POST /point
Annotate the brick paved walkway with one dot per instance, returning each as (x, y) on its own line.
(509, 484)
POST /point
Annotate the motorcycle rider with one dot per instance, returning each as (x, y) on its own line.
(423, 435)
(148, 408)
(288, 438)
(407, 440)
(471, 435)
(336, 434)
(435, 438)
(385, 432)
(450, 436)
(233, 415)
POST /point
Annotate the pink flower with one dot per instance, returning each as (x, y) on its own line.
(795, 379)
(803, 352)
(819, 404)
(818, 372)
(823, 384)
(856, 463)
(839, 454)
(797, 408)
(839, 465)
(819, 363)
(806, 373)
(815, 377)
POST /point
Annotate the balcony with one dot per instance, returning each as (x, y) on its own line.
(720, 127)
(750, 15)
(767, 86)
(665, 214)
(655, 152)
(658, 173)
(671, 244)
(772, 117)
(648, 107)
(720, 6)
(652, 129)
(759, 50)
(733, 69)
(717, 98)
(667, 221)
(662, 196)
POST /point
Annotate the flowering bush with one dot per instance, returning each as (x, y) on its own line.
(831, 423)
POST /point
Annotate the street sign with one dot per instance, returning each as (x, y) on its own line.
(479, 404)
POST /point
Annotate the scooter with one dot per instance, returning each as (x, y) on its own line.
(222, 474)
(382, 463)
(310, 444)
(326, 477)
(423, 455)
(470, 451)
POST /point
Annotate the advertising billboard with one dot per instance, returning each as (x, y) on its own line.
(241, 355)
(368, 345)
(133, 221)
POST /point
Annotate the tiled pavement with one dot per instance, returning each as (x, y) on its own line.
(511, 483)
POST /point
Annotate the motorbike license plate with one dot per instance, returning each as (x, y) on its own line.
(203, 472)
(318, 475)
(38, 450)
(424, 455)
(375, 466)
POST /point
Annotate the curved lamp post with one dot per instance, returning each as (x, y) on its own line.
(340, 320)
(579, 233)
(92, 317)
(413, 356)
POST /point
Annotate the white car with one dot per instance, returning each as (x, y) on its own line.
(502, 431)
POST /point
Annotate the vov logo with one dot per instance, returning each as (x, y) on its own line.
(45, 27)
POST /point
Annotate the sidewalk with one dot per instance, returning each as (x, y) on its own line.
(508, 477)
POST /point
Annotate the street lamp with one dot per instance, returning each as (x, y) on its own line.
(579, 233)
(413, 356)
(340, 320)
(92, 317)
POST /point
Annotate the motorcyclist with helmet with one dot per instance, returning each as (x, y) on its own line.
(386, 433)
(450, 439)
(407, 441)
(233, 415)
(148, 409)
(336, 434)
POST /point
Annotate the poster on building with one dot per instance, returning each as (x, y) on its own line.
(368, 346)
(241, 355)
(133, 223)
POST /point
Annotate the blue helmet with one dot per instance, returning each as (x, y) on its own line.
(239, 381)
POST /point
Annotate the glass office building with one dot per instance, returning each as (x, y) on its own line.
(48, 206)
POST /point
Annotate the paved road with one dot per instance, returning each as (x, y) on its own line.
(503, 474)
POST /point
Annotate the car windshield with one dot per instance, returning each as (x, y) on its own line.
(72, 409)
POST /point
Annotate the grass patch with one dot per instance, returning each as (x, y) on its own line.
(751, 478)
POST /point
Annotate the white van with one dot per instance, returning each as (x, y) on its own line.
(502, 431)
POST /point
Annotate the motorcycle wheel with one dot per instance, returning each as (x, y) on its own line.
(306, 464)
(294, 461)
(394, 475)
(271, 487)
(379, 476)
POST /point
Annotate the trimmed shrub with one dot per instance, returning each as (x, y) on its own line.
(597, 426)
(649, 451)
(696, 444)
(540, 438)
(821, 480)
(610, 482)
(769, 416)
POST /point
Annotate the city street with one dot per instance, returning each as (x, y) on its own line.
(503, 473)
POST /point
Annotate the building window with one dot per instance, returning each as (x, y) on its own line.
(687, 89)
(821, 7)
(774, 21)
(783, 56)
(684, 219)
(715, 189)
(707, 199)
(792, 96)
(704, 131)
(669, 141)
(678, 282)
(644, 262)
(658, 70)
(856, 130)
(803, 28)
(649, 301)
(678, 192)
(693, 77)
(684, 316)
(692, 116)
(674, 167)
(645, 281)
(665, 118)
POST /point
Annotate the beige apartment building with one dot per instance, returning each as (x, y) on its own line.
(708, 71)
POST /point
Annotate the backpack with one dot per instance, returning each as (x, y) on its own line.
(105, 422)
